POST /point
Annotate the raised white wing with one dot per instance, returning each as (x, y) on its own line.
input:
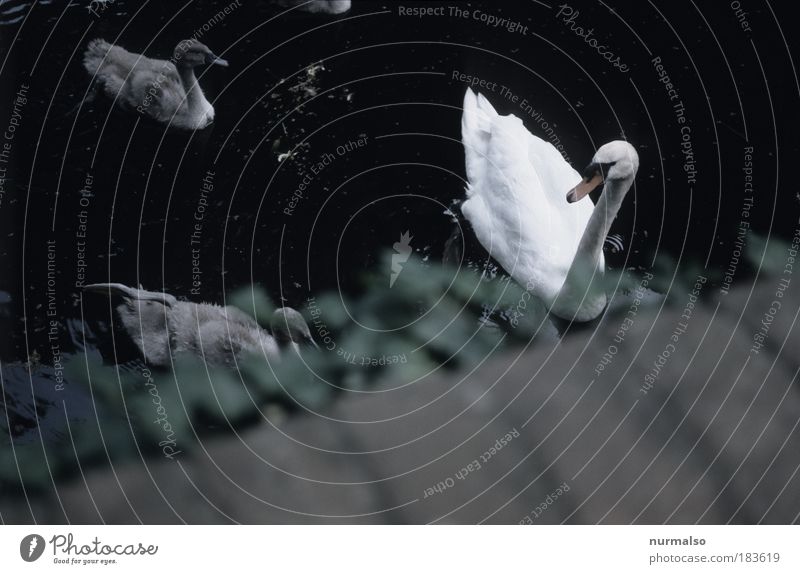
(517, 197)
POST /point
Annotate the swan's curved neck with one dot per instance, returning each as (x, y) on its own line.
(194, 95)
(599, 224)
(583, 287)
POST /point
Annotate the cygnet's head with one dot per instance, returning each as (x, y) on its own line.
(289, 326)
(616, 160)
(191, 54)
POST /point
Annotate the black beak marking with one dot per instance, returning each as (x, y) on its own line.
(593, 169)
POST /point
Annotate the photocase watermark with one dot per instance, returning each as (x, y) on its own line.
(679, 110)
(624, 327)
(523, 104)
(741, 16)
(84, 199)
(546, 503)
(94, 552)
(328, 342)
(744, 222)
(168, 444)
(461, 12)
(783, 284)
(7, 142)
(688, 311)
(402, 252)
(367, 361)
(195, 238)
(518, 312)
(569, 17)
(32, 547)
(51, 309)
(473, 466)
(97, 7)
(3, 179)
(324, 334)
(325, 161)
(490, 20)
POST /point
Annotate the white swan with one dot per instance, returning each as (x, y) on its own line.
(524, 203)
(319, 6)
(166, 91)
(163, 327)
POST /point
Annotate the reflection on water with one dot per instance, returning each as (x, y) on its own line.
(14, 11)
(36, 405)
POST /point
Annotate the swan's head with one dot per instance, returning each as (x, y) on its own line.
(191, 54)
(615, 160)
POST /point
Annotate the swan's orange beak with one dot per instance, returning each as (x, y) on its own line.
(584, 188)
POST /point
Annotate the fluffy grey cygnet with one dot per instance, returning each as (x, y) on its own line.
(163, 327)
(164, 90)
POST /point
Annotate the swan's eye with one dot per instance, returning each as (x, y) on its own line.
(595, 169)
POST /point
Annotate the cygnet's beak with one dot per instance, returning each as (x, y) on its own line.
(212, 59)
(592, 177)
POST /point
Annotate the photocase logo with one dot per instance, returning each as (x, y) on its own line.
(31, 547)
(402, 252)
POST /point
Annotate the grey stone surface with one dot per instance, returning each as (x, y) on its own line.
(714, 440)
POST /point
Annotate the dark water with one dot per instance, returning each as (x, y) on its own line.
(94, 194)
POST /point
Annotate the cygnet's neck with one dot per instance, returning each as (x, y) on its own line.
(194, 95)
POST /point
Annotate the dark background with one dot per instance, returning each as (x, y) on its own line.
(384, 75)
(381, 78)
